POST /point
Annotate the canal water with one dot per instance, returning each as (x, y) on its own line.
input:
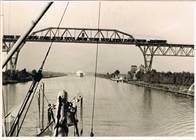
(120, 109)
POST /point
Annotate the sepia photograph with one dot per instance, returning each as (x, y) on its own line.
(97, 68)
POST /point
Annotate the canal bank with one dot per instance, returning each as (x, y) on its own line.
(13, 77)
(170, 88)
(178, 90)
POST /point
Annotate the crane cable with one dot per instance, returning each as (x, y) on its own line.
(19, 128)
(50, 46)
(20, 112)
(4, 110)
(95, 75)
(36, 82)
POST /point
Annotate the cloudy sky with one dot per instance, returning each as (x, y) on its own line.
(172, 21)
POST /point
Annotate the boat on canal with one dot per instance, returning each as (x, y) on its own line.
(80, 73)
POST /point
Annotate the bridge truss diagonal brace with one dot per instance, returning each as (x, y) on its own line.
(87, 34)
(170, 50)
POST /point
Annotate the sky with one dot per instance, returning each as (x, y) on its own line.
(172, 21)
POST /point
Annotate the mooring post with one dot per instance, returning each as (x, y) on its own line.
(81, 115)
(43, 88)
(39, 116)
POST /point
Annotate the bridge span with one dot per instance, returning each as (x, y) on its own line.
(149, 48)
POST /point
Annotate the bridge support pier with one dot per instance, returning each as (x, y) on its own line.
(148, 53)
(148, 62)
(13, 61)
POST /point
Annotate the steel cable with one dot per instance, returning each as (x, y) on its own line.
(95, 75)
(27, 110)
(50, 46)
(34, 83)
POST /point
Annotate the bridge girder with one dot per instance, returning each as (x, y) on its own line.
(149, 52)
(84, 35)
(168, 50)
(149, 48)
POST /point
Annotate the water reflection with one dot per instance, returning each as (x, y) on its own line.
(147, 100)
(9, 93)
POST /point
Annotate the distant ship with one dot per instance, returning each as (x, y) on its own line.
(80, 73)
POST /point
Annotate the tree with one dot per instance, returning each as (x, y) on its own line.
(117, 72)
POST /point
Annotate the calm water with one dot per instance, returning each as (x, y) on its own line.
(120, 109)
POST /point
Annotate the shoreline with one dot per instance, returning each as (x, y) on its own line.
(46, 75)
(164, 87)
(16, 82)
(173, 89)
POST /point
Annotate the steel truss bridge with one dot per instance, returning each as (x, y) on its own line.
(149, 48)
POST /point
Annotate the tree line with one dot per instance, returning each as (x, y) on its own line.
(176, 78)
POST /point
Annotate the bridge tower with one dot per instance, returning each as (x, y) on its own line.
(148, 54)
(148, 62)
(13, 61)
